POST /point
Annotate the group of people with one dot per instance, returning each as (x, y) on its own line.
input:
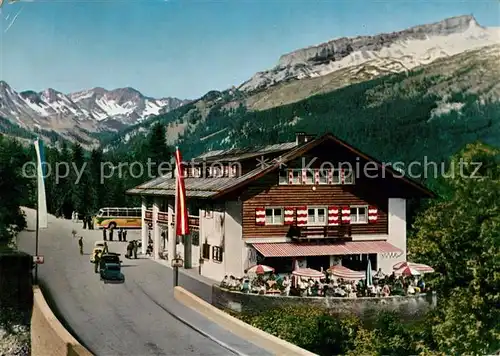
(329, 286)
(132, 248)
(88, 220)
(122, 234)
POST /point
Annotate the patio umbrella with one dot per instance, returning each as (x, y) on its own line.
(407, 271)
(369, 279)
(260, 269)
(345, 273)
(417, 266)
(308, 273)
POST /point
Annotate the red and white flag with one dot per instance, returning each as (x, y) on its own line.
(181, 213)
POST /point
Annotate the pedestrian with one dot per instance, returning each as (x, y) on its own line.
(130, 247)
(80, 244)
(125, 235)
(76, 216)
(92, 222)
(110, 234)
(135, 249)
(105, 249)
(97, 259)
(84, 220)
(120, 234)
(104, 235)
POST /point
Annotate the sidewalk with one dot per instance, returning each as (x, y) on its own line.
(191, 280)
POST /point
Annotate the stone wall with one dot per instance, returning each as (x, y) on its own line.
(408, 307)
(48, 336)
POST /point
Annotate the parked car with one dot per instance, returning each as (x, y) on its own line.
(110, 267)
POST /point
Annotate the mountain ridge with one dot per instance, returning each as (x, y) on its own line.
(78, 113)
(394, 51)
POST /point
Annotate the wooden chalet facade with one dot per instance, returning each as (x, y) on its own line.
(317, 201)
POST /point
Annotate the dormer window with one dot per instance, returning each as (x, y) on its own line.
(226, 171)
(233, 172)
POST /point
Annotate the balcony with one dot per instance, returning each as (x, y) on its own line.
(320, 232)
(193, 220)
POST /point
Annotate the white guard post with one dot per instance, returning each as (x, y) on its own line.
(144, 228)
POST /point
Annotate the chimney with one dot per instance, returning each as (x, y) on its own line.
(302, 137)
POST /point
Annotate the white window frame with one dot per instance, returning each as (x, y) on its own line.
(351, 175)
(357, 214)
(283, 177)
(323, 176)
(336, 177)
(310, 177)
(282, 216)
(297, 176)
(316, 208)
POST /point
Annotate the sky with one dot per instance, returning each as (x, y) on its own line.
(185, 48)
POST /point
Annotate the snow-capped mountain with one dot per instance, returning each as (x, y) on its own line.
(92, 110)
(384, 53)
(126, 105)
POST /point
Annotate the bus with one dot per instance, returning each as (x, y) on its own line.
(128, 218)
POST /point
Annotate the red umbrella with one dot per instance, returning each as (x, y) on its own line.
(260, 269)
(345, 273)
(417, 266)
(407, 271)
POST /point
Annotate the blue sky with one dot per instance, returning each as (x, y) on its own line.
(185, 48)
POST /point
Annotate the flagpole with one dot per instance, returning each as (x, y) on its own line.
(37, 227)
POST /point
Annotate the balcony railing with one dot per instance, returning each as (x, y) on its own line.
(193, 220)
(314, 232)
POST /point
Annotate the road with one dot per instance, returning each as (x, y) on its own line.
(138, 317)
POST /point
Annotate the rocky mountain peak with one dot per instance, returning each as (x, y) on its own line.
(397, 51)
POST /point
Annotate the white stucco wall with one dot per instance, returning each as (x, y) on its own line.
(396, 234)
(211, 231)
(233, 257)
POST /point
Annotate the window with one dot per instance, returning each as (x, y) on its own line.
(217, 253)
(336, 176)
(359, 214)
(112, 212)
(274, 216)
(309, 176)
(195, 238)
(348, 176)
(234, 171)
(283, 178)
(297, 174)
(316, 216)
(323, 176)
(206, 251)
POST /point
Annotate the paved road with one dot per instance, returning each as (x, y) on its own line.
(138, 317)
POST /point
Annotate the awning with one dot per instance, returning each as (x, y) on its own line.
(291, 249)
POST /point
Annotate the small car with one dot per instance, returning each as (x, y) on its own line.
(109, 267)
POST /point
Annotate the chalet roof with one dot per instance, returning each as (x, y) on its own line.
(239, 154)
(217, 187)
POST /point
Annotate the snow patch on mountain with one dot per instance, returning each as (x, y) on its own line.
(392, 52)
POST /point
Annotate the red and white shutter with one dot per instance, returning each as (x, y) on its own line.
(346, 215)
(290, 177)
(260, 216)
(316, 176)
(372, 214)
(333, 216)
(304, 176)
(330, 176)
(342, 176)
(302, 216)
(289, 215)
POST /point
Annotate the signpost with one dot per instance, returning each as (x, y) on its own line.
(176, 263)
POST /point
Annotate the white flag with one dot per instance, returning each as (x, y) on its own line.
(42, 201)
